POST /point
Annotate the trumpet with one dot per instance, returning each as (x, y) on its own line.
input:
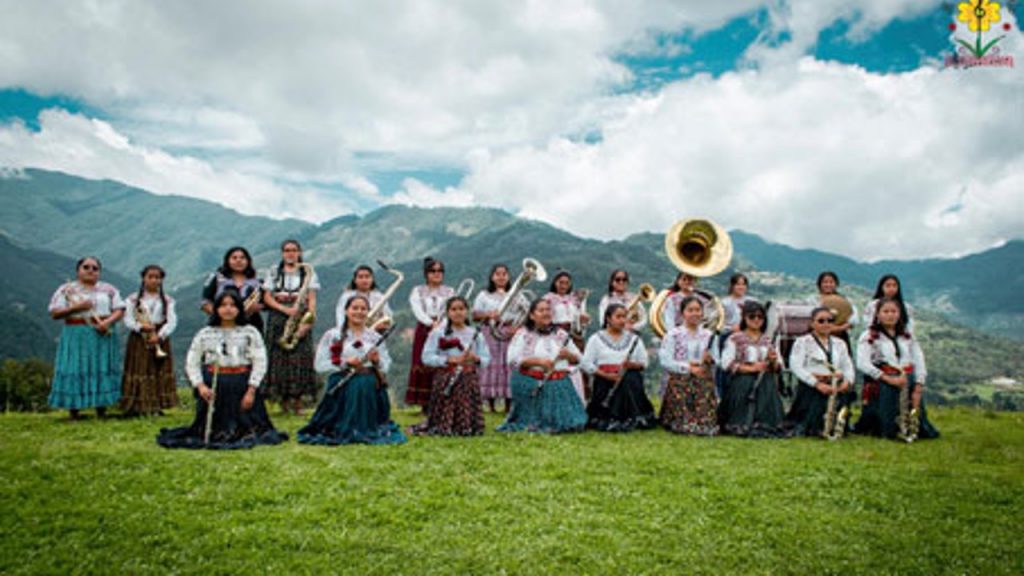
(376, 318)
(142, 316)
(645, 293)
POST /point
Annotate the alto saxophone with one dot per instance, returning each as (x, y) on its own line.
(303, 315)
(907, 421)
(835, 421)
(142, 317)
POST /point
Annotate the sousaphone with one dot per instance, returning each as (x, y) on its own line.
(701, 248)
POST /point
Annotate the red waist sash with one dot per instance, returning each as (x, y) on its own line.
(538, 374)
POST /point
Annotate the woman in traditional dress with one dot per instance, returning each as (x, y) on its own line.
(816, 360)
(543, 398)
(685, 285)
(616, 358)
(752, 405)
(889, 287)
(87, 369)
(828, 285)
(733, 303)
(427, 302)
(289, 289)
(494, 376)
(148, 386)
(355, 408)
(618, 293)
(458, 351)
(225, 364)
(364, 284)
(236, 271)
(891, 359)
(689, 402)
(569, 313)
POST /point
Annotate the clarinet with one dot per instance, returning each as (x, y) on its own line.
(547, 372)
(752, 397)
(213, 399)
(607, 402)
(350, 372)
(450, 384)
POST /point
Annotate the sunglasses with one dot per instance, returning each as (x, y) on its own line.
(433, 270)
(823, 321)
(755, 316)
(90, 267)
(620, 279)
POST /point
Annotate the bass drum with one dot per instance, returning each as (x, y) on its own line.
(788, 321)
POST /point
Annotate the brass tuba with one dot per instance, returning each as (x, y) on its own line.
(701, 248)
(289, 338)
(375, 318)
(532, 270)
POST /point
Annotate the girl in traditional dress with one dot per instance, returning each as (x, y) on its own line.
(752, 405)
(458, 351)
(569, 313)
(87, 369)
(889, 287)
(225, 364)
(618, 293)
(890, 358)
(543, 398)
(733, 303)
(616, 358)
(494, 377)
(290, 374)
(813, 360)
(685, 285)
(828, 285)
(427, 302)
(237, 272)
(355, 408)
(148, 385)
(688, 404)
(364, 284)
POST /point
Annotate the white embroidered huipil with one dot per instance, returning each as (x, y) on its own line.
(373, 297)
(740, 349)
(228, 347)
(428, 303)
(439, 346)
(355, 344)
(154, 305)
(532, 344)
(603, 350)
(565, 308)
(623, 299)
(808, 358)
(904, 353)
(681, 346)
(104, 297)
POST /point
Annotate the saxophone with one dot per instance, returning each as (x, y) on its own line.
(142, 317)
(907, 421)
(376, 318)
(577, 327)
(289, 338)
(835, 421)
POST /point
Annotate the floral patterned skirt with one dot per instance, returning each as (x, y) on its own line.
(454, 407)
(688, 406)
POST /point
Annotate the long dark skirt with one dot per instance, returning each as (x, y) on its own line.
(889, 410)
(232, 427)
(868, 423)
(147, 386)
(555, 408)
(421, 376)
(358, 413)
(455, 414)
(290, 374)
(629, 408)
(753, 413)
(807, 414)
(688, 406)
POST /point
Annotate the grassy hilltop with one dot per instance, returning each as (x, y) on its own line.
(101, 497)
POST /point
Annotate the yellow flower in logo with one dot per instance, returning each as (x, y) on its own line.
(978, 15)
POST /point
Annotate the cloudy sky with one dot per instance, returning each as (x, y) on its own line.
(831, 124)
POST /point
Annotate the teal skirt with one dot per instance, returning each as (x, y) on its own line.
(358, 413)
(550, 409)
(749, 411)
(87, 369)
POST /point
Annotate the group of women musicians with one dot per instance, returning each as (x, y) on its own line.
(468, 356)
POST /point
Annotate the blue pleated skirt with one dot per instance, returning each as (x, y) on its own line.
(556, 408)
(358, 413)
(87, 369)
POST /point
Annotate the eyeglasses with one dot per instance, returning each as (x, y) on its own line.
(755, 317)
(90, 267)
(823, 321)
(433, 270)
(620, 279)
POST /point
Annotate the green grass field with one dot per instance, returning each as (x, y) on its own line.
(101, 497)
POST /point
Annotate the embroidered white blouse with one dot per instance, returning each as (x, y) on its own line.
(374, 297)
(624, 299)
(733, 308)
(880, 349)
(229, 347)
(531, 344)
(428, 303)
(681, 346)
(288, 282)
(671, 315)
(154, 305)
(565, 308)
(741, 349)
(105, 299)
(353, 345)
(491, 301)
(808, 358)
(436, 355)
(602, 349)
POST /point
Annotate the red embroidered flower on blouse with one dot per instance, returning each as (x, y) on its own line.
(449, 343)
(336, 353)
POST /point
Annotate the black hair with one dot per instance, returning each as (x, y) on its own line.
(529, 324)
(608, 313)
(225, 267)
(373, 283)
(686, 302)
(491, 286)
(751, 307)
(142, 285)
(232, 293)
(611, 279)
(827, 274)
(279, 279)
(559, 275)
(428, 263)
(447, 308)
(735, 279)
(901, 324)
(880, 294)
(819, 309)
(84, 258)
(675, 283)
(344, 323)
